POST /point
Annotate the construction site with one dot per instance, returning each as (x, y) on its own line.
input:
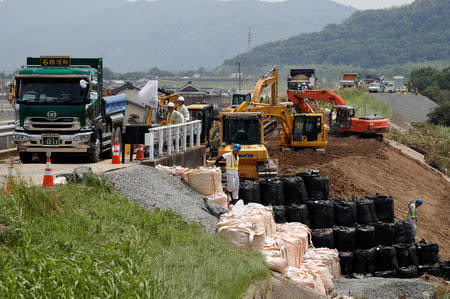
(300, 162)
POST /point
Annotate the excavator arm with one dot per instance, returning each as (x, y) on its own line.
(269, 79)
(298, 98)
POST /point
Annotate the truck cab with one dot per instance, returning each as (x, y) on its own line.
(59, 108)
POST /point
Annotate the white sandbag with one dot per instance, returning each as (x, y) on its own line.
(326, 256)
(220, 199)
(307, 278)
(295, 231)
(323, 271)
(274, 252)
(245, 235)
(207, 181)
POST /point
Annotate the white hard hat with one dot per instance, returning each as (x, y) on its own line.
(180, 99)
(170, 105)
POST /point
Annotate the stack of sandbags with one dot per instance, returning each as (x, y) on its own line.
(325, 262)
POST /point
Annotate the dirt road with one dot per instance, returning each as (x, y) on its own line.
(360, 166)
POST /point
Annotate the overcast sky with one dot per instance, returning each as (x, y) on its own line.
(365, 4)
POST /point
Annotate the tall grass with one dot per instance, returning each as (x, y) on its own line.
(87, 241)
(364, 104)
(430, 140)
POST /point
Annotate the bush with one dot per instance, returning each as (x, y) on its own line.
(440, 115)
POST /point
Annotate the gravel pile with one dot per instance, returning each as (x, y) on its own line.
(151, 187)
(376, 287)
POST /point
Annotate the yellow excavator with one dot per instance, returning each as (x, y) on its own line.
(247, 125)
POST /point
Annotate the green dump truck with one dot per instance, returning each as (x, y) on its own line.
(60, 108)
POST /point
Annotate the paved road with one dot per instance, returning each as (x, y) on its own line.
(35, 170)
(410, 106)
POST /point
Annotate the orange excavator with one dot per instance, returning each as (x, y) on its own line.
(342, 118)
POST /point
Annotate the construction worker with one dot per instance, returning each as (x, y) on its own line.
(232, 167)
(173, 117)
(183, 109)
(411, 216)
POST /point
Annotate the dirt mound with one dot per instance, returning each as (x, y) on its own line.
(359, 166)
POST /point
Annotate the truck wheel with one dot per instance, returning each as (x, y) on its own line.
(94, 153)
(25, 157)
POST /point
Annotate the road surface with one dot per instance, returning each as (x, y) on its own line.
(35, 170)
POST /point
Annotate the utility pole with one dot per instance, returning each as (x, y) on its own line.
(239, 73)
(3, 88)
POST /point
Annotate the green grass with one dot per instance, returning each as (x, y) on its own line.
(87, 241)
(364, 103)
(430, 140)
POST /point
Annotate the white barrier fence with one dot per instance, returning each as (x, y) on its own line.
(174, 134)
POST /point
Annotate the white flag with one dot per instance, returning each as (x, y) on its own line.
(149, 94)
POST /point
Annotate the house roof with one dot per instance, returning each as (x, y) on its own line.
(127, 85)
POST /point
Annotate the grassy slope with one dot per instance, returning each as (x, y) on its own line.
(84, 241)
(364, 103)
(428, 139)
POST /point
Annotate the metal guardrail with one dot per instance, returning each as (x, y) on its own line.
(7, 128)
(168, 135)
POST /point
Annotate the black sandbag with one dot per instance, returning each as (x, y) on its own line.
(400, 231)
(321, 213)
(364, 260)
(307, 175)
(384, 207)
(427, 252)
(413, 259)
(385, 258)
(272, 192)
(294, 190)
(408, 272)
(430, 269)
(297, 213)
(365, 237)
(279, 214)
(249, 191)
(344, 238)
(345, 212)
(318, 188)
(385, 274)
(402, 253)
(366, 211)
(322, 238)
(384, 233)
(346, 261)
(445, 270)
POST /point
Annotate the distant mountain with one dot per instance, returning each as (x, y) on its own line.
(169, 34)
(368, 39)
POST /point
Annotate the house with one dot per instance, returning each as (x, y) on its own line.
(194, 94)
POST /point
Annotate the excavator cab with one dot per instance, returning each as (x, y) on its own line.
(341, 117)
(308, 130)
(240, 97)
(247, 130)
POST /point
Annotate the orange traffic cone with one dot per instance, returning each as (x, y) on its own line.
(140, 152)
(11, 175)
(48, 176)
(116, 154)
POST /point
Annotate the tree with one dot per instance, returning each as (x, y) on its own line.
(440, 115)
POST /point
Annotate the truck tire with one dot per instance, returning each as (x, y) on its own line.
(94, 153)
(25, 157)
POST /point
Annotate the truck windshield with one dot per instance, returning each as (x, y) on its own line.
(51, 91)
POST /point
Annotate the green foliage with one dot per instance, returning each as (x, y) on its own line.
(440, 115)
(368, 39)
(430, 140)
(86, 241)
